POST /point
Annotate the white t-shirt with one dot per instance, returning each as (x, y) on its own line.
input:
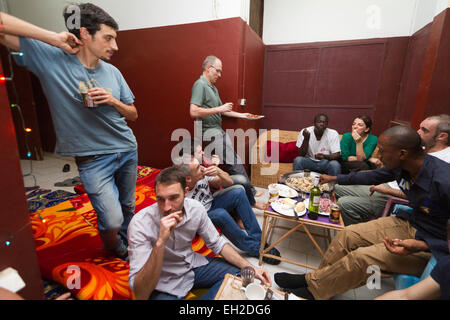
(328, 144)
(202, 192)
(444, 154)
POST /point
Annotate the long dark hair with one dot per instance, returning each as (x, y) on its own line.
(367, 121)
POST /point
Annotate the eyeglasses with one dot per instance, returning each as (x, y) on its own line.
(218, 70)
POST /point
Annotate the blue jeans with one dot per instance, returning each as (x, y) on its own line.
(232, 163)
(332, 168)
(240, 181)
(219, 213)
(210, 276)
(110, 182)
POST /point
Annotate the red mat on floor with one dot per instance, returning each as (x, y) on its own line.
(69, 248)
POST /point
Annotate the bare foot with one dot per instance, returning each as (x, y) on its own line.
(259, 193)
(260, 205)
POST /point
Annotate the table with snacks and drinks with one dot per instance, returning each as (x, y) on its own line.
(299, 198)
(246, 288)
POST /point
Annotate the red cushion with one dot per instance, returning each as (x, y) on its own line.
(287, 151)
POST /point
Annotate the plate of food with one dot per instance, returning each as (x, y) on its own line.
(254, 116)
(285, 206)
(325, 206)
(303, 181)
(300, 207)
(284, 190)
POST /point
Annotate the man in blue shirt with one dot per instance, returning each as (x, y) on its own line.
(70, 65)
(424, 180)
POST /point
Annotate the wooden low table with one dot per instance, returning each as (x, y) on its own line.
(270, 217)
(231, 290)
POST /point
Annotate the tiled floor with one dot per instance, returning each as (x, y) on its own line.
(296, 247)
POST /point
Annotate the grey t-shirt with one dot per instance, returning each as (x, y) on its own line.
(80, 131)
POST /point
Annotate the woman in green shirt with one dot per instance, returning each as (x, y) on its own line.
(358, 146)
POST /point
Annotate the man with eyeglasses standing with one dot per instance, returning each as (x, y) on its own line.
(207, 106)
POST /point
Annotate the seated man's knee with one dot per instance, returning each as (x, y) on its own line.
(334, 168)
(112, 222)
(298, 163)
(344, 202)
(237, 191)
(239, 179)
(218, 215)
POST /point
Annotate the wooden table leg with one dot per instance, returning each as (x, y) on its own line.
(264, 235)
(313, 240)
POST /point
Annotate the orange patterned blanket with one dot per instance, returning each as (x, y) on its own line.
(70, 252)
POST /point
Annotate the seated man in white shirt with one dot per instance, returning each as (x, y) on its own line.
(359, 203)
(163, 265)
(319, 148)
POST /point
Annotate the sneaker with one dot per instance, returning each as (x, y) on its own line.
(273, 252)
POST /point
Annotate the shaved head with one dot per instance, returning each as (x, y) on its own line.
(404, 137)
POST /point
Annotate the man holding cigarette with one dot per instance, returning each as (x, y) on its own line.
(68, 65)
(163, 265)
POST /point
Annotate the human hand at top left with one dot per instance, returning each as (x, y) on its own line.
(68, 42)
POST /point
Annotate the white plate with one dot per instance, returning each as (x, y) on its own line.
(257, 117)
(302, 213)
(329, 186)
(279, 207)
(285, 191)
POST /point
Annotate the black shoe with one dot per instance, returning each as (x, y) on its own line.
(273, 252)
(122, 252)
(290, 281)
(302, 292)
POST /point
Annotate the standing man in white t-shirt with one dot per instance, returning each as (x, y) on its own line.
(319, 148)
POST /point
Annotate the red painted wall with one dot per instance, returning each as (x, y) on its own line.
(342, 79)
(439, 95)
(21, 254)
(412, 73)
(161, 65)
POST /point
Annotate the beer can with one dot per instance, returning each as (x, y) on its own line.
(335, 213)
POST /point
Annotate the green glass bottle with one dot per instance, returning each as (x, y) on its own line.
(314, 200)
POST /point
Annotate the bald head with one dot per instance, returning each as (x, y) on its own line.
(404, 137)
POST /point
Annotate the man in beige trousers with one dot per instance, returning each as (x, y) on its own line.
(424, 180)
